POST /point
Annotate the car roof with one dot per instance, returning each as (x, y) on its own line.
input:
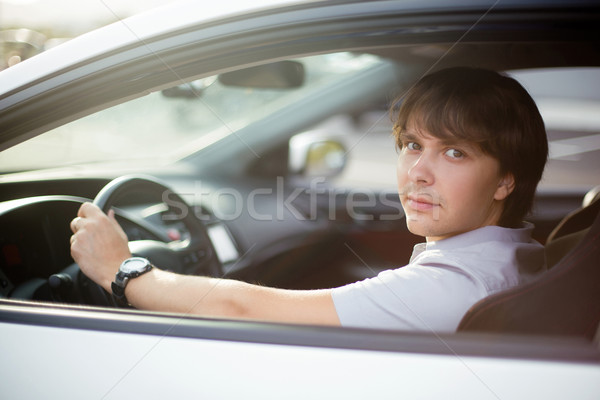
(185, 15)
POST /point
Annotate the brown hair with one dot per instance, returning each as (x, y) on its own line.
(489, 109)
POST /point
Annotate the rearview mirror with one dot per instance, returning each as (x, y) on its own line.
(190, 90)
(278, 75)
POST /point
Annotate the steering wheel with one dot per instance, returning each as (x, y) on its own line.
(192, 255)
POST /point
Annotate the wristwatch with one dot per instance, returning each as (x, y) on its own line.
(129, 269)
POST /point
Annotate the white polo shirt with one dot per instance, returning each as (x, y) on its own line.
(442, 281)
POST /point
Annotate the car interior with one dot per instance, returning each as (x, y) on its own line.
(549, 306)
(188, 233)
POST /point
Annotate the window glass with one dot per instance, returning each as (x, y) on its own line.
(568, 99)
(164, 126)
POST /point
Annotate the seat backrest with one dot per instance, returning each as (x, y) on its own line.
(579, 219)
(569, 232)
(564, 301)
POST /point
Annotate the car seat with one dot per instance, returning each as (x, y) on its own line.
(565, 300)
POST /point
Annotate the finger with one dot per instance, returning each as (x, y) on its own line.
(72, 238)
(74, 224)
(112, 218)
(88, 209)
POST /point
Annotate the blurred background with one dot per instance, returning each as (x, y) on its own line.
(28, 27)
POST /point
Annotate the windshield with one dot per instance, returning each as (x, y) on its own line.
(168, 125)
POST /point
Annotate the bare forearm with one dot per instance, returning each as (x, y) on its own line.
(163, 291)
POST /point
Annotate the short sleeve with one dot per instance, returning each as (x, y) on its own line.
(414, 297)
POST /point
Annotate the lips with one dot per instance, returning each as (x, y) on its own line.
(421, 202)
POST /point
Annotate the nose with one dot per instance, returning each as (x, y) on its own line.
(421, 169)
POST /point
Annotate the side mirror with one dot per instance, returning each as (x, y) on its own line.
(324, 157)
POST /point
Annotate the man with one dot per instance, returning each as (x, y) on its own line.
(472, 148)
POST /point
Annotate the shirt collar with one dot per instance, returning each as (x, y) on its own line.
(484, 234)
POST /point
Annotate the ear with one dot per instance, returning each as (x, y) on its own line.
(505, 187)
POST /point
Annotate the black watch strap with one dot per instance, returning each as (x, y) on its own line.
(123, 277)
(118, 289)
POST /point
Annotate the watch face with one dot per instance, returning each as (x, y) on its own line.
(134, 264)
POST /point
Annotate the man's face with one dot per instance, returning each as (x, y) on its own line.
(448, 187)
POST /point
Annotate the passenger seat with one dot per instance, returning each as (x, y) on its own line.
(563, 301)
(572, 228)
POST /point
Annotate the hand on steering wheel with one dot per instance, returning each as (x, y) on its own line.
(100, 245)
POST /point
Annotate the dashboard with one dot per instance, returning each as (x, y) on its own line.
(35, 233)
(34, 239)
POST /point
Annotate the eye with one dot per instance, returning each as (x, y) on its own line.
(453, 153)
(413, 146)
